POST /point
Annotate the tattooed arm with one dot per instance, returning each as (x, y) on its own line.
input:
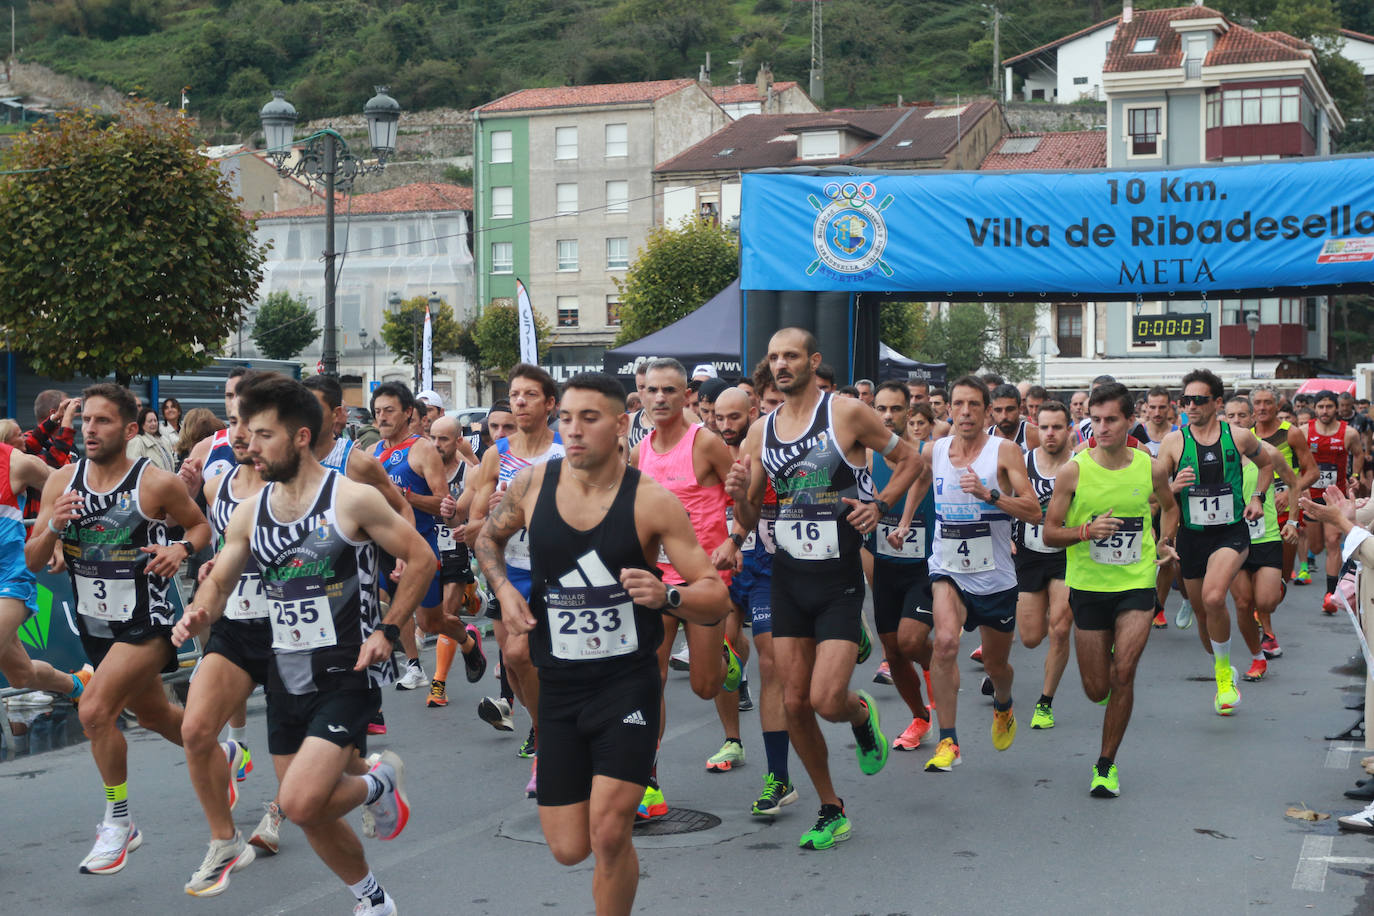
(490, 548)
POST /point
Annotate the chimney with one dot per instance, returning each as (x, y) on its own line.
(1126, 11)
(704, 75)
(764, 80)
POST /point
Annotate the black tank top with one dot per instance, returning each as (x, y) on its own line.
(1043, 487)
(322, 592)
(247, 607)
(587, 627)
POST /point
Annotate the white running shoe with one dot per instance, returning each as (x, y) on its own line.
(1184, 618)
(113, 843)
(680, 660)
(267, 836)
(1360, 821)
(222, 859)
(413, 679)
(367, 908)
(391, 811)
(496, 713)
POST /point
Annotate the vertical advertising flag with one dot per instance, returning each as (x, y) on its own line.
(529, 345)
(427, 360)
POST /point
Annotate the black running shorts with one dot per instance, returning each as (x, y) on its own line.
(1099, 610)
(97, 647)
(816, 605)
(900, 590)
(607, 727)
(1195, 548)
(1264, 555)
(1034, 570)
(996, 611)
(338, 716)
(455, 567)
(248, 645)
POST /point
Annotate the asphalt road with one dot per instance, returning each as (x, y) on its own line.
(1200, 825)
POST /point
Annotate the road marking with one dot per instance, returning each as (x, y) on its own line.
(1338, 754)
(1315, 858)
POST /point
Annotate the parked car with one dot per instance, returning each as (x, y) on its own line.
(470, 417)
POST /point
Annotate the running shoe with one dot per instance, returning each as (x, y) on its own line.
(413, 679)
(1258, 668)
(865, 642)
(532, 787)
(113, 843)
(1360, 821)
(267, 835)
(681, 659)
(233, 752)
(1003, 728)
(1301, 575)
(368, 908)
(84, 677)
(475, 662)
(377, 725)
(1108, 786)
(946, 757)
(977, 654)
(223, 858)
(910, 739)
(391, 811)
(653, 805)
(496, 713)
(529, 747)
(1228, 697)
(884, 675)
(246, 766)
(730, 755)
(1043, 717)
(870, 743)
(1184, 618)
(831, 827)
(734, 671)
(1161, 622)
(775, 794)
(438, 694)
(986, 688)
(746, 701)
(1270, 646)
(1329, 604)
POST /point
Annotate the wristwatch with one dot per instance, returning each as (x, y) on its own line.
(993, 495)
(737, 538)
(184, 544)
(883, 508)
(391, 631)
(672, 598)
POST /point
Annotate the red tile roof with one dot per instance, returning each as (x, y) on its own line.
(421, 197)
(1285, 38)
(1077, 149)
(1358, 36)
(578, 96)
(746, 92)
(1059, 41)
(1237, 45)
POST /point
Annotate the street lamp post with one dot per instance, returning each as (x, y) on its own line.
(1252, 323)
(372, 345)
(327, 159)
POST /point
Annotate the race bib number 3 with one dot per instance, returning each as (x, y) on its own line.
(913, 548)
(302, 624)
(111, 600)
(966, 548)
(1122, 548)
(249, 601)
(803, 539)
(586, 624)
(1211, 505)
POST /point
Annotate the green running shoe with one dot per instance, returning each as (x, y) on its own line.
(831, 827)
(871, 744)
(734, 671)
(529, 748)
(775, 794)
(730, 755)
(865, 642)
(653, 805)
(1044, 716)
(1108, 786)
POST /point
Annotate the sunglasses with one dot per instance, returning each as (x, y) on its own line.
(1192, 400)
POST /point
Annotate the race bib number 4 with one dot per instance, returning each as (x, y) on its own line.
(913, 548)
(1211, 505)
(249, 601)
(1121, 548)
(808, 540)
(302, 624)
(966, 548)
(112, 600)
(586, 624)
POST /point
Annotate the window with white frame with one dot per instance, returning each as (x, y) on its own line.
(502, 203)
(501, 146)
(567, 254)
(617, 254)
(567, 311)
(617, 197)
(502, 257)
(617, 140)
(565, 193)
(565, 143)
(1143, 131)
(819, 144)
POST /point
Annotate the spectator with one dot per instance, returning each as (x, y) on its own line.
(148, 443)
(198, 423)
(847, 391)
(825, 377)
(11, 434)
(53, 437)
(865, 389)
(171, 418)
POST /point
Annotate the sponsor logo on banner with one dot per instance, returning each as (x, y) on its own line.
(1336, 251)
(850, 233)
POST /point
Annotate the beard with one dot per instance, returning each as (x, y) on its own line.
(282, 471)
(108, 454)
(732, 437)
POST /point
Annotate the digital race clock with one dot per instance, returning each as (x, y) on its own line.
(1151, 328)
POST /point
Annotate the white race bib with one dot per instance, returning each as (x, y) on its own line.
(1211, 505)
(817, 539)
(111, 600)
(304, 623)
(1122, 548)
(730, 523)
(249, 601)
(1327, 475)
(586, 624)
(518, 549)
(1034, 538)
(913, 548)
(966, 548)
(1256, 526)
(445, 540)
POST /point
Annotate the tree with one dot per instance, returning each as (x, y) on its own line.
(497, 332)
(403, 330)
(972, 336)
(285, 326)
(122, 250)
(903, 326)
(675, 272)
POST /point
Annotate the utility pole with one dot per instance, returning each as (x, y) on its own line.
(996, 52)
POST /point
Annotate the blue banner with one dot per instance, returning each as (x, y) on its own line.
(1099, 234)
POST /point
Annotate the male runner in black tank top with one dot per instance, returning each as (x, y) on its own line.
(594, 626)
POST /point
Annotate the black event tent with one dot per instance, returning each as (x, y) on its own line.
(710, 334)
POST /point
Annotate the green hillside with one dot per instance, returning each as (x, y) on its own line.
(328, 54)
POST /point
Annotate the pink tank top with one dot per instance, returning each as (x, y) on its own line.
(705, 505)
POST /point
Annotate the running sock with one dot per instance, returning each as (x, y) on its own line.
(1045, 700)
(1221, 652)
(949, 733)
(775, 749)
(1258, 656)
(444, 652)
(506, 693)
(412, 662)
(77, 687)
(1104, 765)
(1000, 707)
(239, 735)
(117, 805)
(376, 786)
(1331, 584)
(368, 889)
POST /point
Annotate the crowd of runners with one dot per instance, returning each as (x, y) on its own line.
(754, 518)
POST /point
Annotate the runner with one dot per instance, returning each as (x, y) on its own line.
(980, 486)
(1204, 461)
(111, 515)
(593, 623)
(460, 592)
(901, 580)
(1157, 424)
(811, 449)
(1007, 421)
(1339, 455)
(1098, 511)
(1293, 449)
(1042, 601)
(213, 455)
(640, 424)
(692, 467)
(332, 648)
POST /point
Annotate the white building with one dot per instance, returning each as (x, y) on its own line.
(1065, 70)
